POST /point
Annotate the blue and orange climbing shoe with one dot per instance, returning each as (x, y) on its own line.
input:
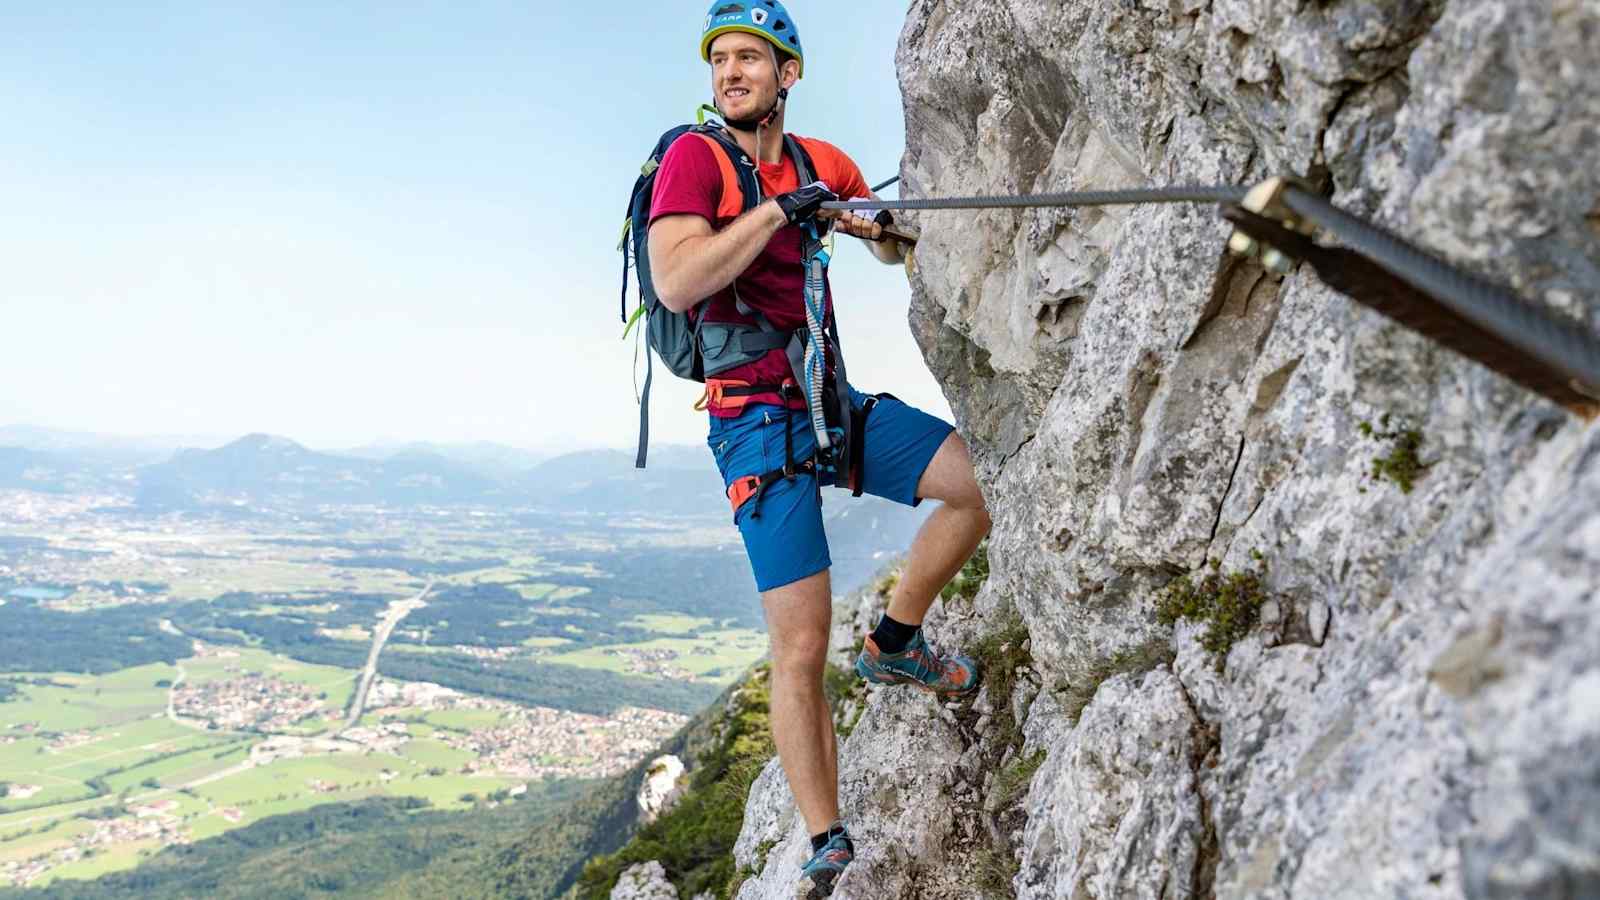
(828, 863)
(918, 664)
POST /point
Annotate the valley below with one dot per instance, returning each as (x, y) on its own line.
(168, 675)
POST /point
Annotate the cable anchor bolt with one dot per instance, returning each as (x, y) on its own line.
(1266, 199)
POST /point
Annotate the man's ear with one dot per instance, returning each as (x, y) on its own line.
(789, 74)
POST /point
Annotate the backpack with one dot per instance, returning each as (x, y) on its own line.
(689, 346)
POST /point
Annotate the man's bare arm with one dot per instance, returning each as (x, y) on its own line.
(689, 261)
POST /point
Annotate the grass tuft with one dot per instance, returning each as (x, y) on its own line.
(1229, 605)
(1401, 464)
(1013, 780)
(971, 577)
(885, 586)
(999, 654)
(1152, 654)
(993, 871)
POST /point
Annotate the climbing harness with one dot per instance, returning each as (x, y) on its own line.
(751, 488)
(1274, 222)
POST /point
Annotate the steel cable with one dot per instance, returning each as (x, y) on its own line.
(1531, 329)
(1176, 194)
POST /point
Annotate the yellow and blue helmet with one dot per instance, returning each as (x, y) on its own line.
(763, 18)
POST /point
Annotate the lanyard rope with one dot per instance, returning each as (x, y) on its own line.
(816, 358)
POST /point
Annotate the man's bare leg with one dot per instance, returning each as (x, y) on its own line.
(949, 536)
(798, 617)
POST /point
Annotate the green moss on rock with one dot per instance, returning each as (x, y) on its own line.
(1400, 464)
(1229, 604)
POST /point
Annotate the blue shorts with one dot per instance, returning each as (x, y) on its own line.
(786, 542)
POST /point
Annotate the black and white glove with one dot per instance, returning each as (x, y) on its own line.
(867, 224)
(800, 205)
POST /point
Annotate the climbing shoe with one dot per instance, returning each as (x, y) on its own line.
(918, 664)
(827, 864)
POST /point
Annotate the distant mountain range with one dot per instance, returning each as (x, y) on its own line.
(62, 471)
(265, 471)
(262, 472)
(497, 459)
(107, 447)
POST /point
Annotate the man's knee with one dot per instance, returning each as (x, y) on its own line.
(798, 619)
(952, 479)
(802, 656)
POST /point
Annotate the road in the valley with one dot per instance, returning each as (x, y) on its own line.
(397, 611)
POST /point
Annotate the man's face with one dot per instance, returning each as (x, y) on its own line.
(743, 78)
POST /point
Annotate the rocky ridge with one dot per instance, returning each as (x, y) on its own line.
(1415, 710)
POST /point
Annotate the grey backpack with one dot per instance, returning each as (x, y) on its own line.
(689, 346)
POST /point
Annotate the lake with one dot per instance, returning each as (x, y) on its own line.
(38, 593)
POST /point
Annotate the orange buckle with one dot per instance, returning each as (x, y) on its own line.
(715, 399)
(742, 489)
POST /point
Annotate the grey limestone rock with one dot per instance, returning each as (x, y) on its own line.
(645, 881)
(1421, 717)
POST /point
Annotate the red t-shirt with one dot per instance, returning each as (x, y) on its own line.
(690, 182)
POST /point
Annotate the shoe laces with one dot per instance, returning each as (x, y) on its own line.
(929, 661)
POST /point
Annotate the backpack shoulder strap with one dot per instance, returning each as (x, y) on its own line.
(741, 189)
(805, 167)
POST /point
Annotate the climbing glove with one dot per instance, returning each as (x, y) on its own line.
(800, 205)
(867, 224)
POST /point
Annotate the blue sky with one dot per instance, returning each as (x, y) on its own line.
(375, 222)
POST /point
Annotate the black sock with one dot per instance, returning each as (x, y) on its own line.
(818, 841)
(892, 636)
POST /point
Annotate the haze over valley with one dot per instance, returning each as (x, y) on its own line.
(195, 641)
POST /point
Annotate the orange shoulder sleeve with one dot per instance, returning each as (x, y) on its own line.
(836, 169)
(732, 202)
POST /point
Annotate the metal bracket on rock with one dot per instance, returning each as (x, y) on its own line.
(1266, 200)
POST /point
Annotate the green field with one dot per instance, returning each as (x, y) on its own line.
(535, 592)
(112, 859)
(670, 623)
(279, 570)
(429, 753)
(463, 719)
(113, 730)
(338, 684)
(728, 652)
(92, 702)
(502, 575)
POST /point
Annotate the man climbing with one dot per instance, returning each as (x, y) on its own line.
(767, 422)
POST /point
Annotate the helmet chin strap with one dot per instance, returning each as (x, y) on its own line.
(756, 123)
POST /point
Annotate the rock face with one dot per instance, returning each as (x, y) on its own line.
(645, 881)
(1418, 714)
(660, 787)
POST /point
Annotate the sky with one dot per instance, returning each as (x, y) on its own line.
(347, 223)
